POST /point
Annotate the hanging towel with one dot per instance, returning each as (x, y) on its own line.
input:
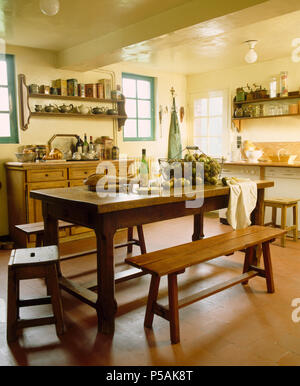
(175, 147)
(242, 201)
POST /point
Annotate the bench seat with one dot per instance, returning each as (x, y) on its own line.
(173, 261)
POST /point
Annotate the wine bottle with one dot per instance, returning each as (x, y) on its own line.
(91, 144)
(85, 145)
(79, 145)
(144, 170)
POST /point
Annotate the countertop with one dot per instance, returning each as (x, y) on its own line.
(60, 164)
(295, 164)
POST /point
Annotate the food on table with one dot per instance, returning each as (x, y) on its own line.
(55, 154)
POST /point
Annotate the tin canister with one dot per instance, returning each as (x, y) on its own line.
(81, 90)
(33, 89)
(72, 87)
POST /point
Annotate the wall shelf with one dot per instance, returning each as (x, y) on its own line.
(75, 98)
(292, 95)
(75, 115)
(26, 114)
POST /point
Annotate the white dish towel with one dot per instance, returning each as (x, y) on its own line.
(242, 201)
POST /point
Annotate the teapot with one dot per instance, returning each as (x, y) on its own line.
(83, 109)
(49, 108)
(98, 110)
(64, 108)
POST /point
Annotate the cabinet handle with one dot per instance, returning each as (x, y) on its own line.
(46, 175)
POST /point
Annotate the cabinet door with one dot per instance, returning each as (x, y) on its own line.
(34, 207)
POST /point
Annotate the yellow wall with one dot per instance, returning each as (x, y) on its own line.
(260, 130)
(39, 67)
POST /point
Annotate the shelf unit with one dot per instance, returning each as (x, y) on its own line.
(237, 121)
(26, 114)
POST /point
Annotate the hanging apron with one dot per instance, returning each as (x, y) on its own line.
(175, 147)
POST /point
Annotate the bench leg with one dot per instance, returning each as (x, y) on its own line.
(152, 298)
(268, 267)
(173, 307)
(248, 261)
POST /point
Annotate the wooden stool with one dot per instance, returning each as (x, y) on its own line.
(283, 204)
(32, 263)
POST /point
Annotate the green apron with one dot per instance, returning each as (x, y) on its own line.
(175, 147)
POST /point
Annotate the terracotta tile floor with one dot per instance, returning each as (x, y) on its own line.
(240, 326)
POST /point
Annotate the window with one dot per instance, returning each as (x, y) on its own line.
(210, 123)
(8, 107)
(139, 93)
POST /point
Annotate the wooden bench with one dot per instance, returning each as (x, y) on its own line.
(37, 229)
(173, 261)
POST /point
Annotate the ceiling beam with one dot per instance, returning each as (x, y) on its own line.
(109, 49)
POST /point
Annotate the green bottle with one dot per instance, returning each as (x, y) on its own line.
(144, 170)
(85, 145)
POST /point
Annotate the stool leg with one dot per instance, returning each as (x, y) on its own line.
(39, 239)
(173, 307)
(295, 218)
(283, 224)
(129, 238)
(268, 267)
(141, 239)
(52, 281)
(274, 215)
(152, 298)
(12, 305)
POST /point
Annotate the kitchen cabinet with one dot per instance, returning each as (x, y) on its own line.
(22, 178)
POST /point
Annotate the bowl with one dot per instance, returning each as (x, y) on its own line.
(253, 155)
(25, 157)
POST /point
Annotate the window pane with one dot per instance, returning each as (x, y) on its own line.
(130, 128)
(200, 127)
(144, 109)
(202, 143)
(143, 88)
(144, 128)
(215, 147)
(216, 106)
(130, 107)
(4, 105)
(200, 107)
(4, 125)
(129, 88)
(215, 126)
(3, 73)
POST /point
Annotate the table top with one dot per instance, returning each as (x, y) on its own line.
(82, 197)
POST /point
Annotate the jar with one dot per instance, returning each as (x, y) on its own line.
(273, 88)
(284, 84)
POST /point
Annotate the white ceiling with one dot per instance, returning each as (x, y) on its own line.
(201, 47)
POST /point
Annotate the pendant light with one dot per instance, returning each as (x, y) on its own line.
(251, 56)
(49, 7)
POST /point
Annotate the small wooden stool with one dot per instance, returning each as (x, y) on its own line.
(283, 204)
(32, 263)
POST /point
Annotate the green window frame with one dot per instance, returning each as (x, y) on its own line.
(9, 83)
(135, 120)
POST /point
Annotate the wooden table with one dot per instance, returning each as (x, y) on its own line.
(106, 215)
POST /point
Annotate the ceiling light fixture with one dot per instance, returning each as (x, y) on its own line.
(49, 7)
(251, 56)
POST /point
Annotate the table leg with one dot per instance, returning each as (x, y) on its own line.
(198, 226)
(51, 236)
(257, 219)
(106, 303)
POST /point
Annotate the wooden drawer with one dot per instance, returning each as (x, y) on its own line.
(80, 174)
(46, 175)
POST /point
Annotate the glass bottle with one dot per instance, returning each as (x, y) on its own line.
(144, 170)
(91, 145)
(284, 84)
(79, 145)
